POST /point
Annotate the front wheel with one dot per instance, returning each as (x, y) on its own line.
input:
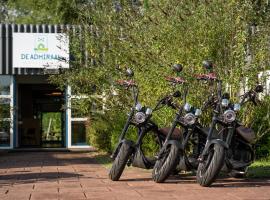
(209, 169)
(167, 164)
(120, 161)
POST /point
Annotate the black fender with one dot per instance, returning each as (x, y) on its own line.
(128, 142)
(214, 141)
(218, 141)
(209, 144)
(170, 142)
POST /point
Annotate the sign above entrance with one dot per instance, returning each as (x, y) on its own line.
(40, 50)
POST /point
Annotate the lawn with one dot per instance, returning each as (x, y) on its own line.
(260, 169)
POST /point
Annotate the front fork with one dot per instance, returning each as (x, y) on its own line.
(123, 134)
(163, 149)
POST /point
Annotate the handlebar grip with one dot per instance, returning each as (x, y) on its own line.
(177, 80)
(126, 83)
(205, 77)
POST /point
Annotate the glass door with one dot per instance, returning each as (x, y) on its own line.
(6, 114)
(52, 131)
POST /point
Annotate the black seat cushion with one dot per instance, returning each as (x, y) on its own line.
(246, 133)
(177, 133)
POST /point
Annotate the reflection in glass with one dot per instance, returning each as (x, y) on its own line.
(4, 133)
(5, 85)
(4, 108)
(78, 129)
(51, 126)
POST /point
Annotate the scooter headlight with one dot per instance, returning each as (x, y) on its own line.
(225, 102)
(229, 116)
(138, 107)
(236, 107)
(189, 118)
(140, 117)
(187, 107)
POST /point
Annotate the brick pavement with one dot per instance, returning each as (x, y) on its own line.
(76, 176)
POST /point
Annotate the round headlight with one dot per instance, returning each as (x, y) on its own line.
(187, 107)
(189, 118)
(148, 111)
(236, 107)
(138, 107)
(229, 116)
(225, 102)
(139, 117)
(198, 112)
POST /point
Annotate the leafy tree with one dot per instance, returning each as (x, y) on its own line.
(149, 36)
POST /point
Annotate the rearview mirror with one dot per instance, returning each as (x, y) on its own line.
(177, 67)
(259, 88)
(129, 72)
(207, 64)
(177, 94)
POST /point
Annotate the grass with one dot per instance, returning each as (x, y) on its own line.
(260, 169)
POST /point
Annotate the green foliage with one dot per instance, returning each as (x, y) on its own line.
(103, 132)
(261, 125)
(149, 36)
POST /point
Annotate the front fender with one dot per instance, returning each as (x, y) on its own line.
(115, 152)
(209, 144)
(218, 141)
(168, 143)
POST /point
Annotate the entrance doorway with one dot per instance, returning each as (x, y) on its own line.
(41, 116)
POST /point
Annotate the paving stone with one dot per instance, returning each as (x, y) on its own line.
(72, 196)
(48, 195)
(67, 175)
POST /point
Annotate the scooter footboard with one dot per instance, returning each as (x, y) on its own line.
(140, 161)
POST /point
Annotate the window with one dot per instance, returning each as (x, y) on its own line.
(5, 110)
(5, 82)
(79, 111)
(78, 132)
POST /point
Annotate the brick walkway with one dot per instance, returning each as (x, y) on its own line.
(61, 175)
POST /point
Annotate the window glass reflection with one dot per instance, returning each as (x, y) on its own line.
(4, 133)
(78, 132)
(4, 108)
(5, 85)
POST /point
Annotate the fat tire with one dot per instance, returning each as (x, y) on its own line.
(209, 175)
(166, 165)
(120, 161)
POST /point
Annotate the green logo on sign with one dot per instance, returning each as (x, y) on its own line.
(41, 44)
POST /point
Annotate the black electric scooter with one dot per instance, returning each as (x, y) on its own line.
(175, 154)
(129, 152)
(230, 147)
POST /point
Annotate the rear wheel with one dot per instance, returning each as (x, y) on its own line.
(120, 161)
(167, 164)
(209, 169)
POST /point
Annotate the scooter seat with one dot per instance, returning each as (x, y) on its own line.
(177, 133)
(246, 133)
